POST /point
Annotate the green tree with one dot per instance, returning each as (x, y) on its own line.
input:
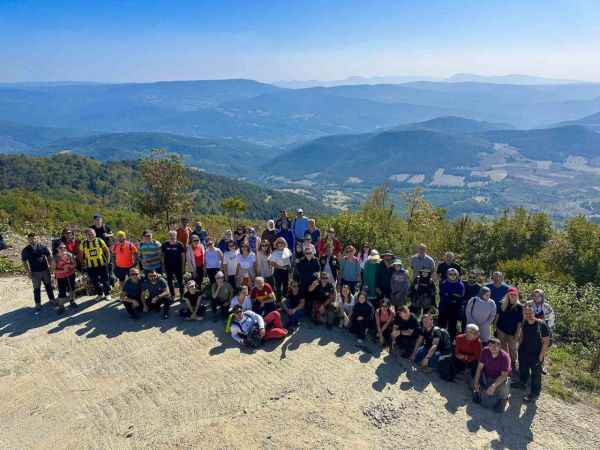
(235, 207)
(166, 187)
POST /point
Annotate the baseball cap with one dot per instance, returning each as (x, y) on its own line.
(513, 290)
(300, 210)
(121, 234)
(397, 262)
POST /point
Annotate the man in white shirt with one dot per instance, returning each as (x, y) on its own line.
(247, 328)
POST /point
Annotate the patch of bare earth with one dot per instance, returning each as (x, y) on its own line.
(94, 379)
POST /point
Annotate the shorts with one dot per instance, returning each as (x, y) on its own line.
(121, 272)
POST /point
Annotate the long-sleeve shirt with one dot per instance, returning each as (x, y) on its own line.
(244, 326)
(451, 292)
(299, 227)
(481, 313)
(382, 278)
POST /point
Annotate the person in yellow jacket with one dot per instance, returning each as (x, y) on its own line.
(95, 256)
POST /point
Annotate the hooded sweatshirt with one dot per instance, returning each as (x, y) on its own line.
(481, 313)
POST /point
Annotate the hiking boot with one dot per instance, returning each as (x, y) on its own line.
(500, 406)
(37, 309)
(530, 398)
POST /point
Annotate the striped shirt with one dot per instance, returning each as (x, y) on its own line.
(150, 255)
(93, 252)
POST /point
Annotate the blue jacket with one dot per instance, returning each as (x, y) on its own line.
(451, 292)
(299, 227)
(288, 236)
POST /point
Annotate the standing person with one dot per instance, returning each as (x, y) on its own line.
(490, 386)
(173, 260)
(384, 318)
(223, 244)
(481, 311)
(230, 262)
(405, 331)
(221, 294)
(102, 230)
(263, 297)
(399, 284)
(509, 319)
(124, 255)
(270, 234)
(422, 293)
(330, 265)
(369, 277)
(194, 308)
(213, 258)
(421, 261)
(63, 266)
(157, 292)
(467, 350)
(253, 240)
(68, 238)
(36, 261)
(322, 292)
(364, 255)
(132, 294)
(306, 272)
(472, 288)
(383, 276)
(281, 261)
(350, 270)
(246, 266)
(329, 240)
(150, 252)
(95, 256)
(362, 316)
(184, 232)
(195, 259)
(433, 345)
(498, 288)
(263, 262)
(285, 233)
(535, 341)
(283, 218)
(294, 305)
(542, 309)
(299, 225)
(315, 233)
(200, 232)
(452, 292)
(449, 262)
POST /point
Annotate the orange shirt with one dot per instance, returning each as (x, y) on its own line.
(183, 235)
(124, 254)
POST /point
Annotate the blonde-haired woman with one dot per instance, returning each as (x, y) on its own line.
(508, 323)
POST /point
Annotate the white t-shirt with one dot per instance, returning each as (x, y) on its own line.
(246, 304)
(230, 259)
(246, 262)
(282, 257)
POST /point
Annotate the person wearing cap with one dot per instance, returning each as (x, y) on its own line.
(36, 261)
(194, 308)
(329, 240)
(421, 261)
(124, 254)
(481, 311)
(221, 294)
(498, 288)
(383, 275)
(299, 225)
(452, 291)
(508, 322)
(132, 294)
(95, 256)
(467, 349)
(399, 284)
(490, 385)
(350, 270)
(369, 275)
(449, 262)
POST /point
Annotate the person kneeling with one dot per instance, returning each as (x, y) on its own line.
(132, 294)
(467, 350)
(249, 329)
(158, 294)
(490, 387)
(194, 309)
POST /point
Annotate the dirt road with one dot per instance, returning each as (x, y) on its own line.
(95, 379)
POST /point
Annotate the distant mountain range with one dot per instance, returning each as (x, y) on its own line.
(592, 122)
(508, 79)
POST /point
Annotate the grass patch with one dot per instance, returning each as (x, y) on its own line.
(7, 266)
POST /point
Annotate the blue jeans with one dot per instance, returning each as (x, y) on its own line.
(294, 319)
(422, 352)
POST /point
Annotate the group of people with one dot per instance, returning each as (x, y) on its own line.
(264, 284)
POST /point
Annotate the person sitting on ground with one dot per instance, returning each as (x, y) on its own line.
(221, 294)
(509, 319)
(158, 294)
(384, 318)
(194, 309)
(399, 284)
(125, 256)
(490, 386)
(243, 299)
(452, 292)
(345, 304)
(323, 294)
(533, 346)
(132, 294)
(434, 346)
(467, 350)
(481, 311)
(542, 309)
(293, 305)
(350, 269)
(263, 297)
(422, 294)
(362, 316)
(251, 329)
(498, 288)
(405, 331)
(63, 266)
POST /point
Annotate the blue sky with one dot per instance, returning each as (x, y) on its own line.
(135, 40)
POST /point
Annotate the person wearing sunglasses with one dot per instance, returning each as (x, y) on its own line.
(213, 259)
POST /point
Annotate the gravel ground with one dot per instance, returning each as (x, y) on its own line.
(93, 379)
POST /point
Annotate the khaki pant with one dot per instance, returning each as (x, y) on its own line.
(510, 344)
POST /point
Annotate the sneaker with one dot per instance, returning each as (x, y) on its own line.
(500, 406)
(98, 298)
(108, 298)
(37, 309)
(530, 398)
